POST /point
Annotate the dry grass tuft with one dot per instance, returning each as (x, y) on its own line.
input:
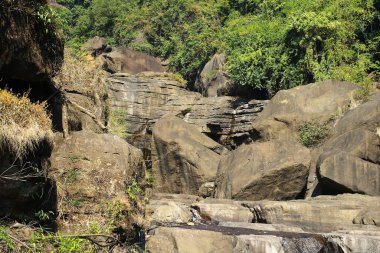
(23, 124)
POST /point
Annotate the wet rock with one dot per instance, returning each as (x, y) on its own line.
(182, 158)
(274, 170)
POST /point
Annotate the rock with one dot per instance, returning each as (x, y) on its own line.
(123, 60)
(355, 241)
(207, 190)
(274, 170)
(93, 171)
(226, 211)
(95, 46)
(368, 216)
(165, 198)
(138, 101)
(342, 173)
(171, 213)
(183, 240)
(262, 227)
(227, 239)
(321, 214)
(213, 80)
(182, 158)
(29, 50)
(290, 109)
(350, 161)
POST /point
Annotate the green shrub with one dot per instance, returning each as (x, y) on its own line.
(312, 133)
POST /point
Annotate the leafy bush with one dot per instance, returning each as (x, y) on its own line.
(312, 133)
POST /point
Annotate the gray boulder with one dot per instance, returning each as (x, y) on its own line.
(274, 170)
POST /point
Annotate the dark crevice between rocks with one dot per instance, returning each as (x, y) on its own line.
(331, 187)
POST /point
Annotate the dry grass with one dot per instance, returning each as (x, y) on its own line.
(22, 124)
(81, 73)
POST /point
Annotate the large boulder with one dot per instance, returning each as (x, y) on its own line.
(93, 172)
(30, 49)
(123, 60)
(350, 161)
(213, 80)
(182, 157)
(274, 170)
(288, 110)
(138, 101)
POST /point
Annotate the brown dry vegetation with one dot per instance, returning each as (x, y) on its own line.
(22, 124)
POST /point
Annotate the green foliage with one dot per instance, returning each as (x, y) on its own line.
(6, 242)
(134, 190)
(61, 243)
(43, 216)
(312, 133)
(269, 44)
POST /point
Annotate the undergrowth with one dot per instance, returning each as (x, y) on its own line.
(312, 133)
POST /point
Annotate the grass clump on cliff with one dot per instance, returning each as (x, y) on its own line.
(23, 124)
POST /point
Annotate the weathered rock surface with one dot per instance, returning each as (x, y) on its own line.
(213, 80)
(27, 51)
(142, 99)
(286, 232)
(274, 170)
(322, 214)
(93, 171)
(123, 60)
(368, 216)
(226, 239)
(182, 158)
(350, 161)
(227, 211)
(289, 109)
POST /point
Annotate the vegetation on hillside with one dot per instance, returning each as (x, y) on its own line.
(270, 44)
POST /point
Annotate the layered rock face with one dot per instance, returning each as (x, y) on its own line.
(30, 48)
(275, 170)
(93, 171)
(140, 100)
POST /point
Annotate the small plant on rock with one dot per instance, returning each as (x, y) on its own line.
(312, 133)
